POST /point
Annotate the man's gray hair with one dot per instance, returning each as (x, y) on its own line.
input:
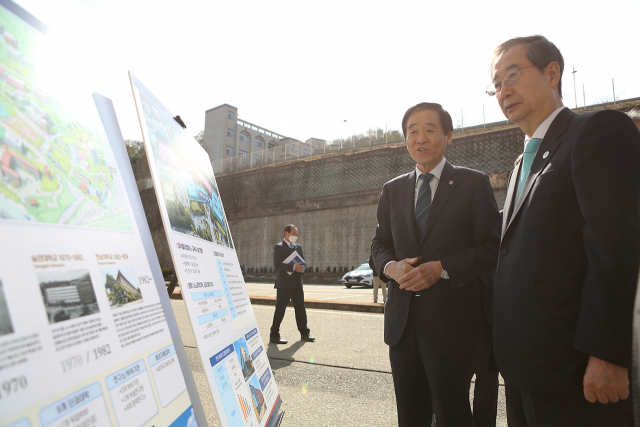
(634, 114)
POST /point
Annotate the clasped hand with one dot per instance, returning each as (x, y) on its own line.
(298, 267)
(412, 278)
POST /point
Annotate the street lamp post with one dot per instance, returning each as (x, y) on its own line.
(341, 121)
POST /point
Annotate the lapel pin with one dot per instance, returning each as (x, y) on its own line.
(450, 182)
(545, 155)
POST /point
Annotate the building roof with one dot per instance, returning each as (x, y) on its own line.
(220, 106)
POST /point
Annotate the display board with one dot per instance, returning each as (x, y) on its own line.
(213, 289)
(87, 335)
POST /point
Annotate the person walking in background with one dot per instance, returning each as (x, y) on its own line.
(377, 283)
(289, 286)
(570, 251)
(431, 254)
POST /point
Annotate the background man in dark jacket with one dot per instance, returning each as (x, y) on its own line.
(289, 286)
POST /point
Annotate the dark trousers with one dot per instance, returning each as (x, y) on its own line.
(485, 392)
(426, 381)
(537, 409)
(295, 294)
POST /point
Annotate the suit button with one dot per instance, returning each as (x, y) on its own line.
(504, 251)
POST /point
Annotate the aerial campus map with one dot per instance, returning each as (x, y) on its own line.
(188, 186)
(53, 169)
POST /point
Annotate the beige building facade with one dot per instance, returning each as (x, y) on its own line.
(226, 137)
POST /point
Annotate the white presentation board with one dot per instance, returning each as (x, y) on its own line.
(84, 340)
(213, 289)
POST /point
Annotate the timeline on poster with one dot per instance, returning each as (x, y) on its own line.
(87, 336)
(211, 281)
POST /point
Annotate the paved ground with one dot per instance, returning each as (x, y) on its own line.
(343, 379)
(335, 292)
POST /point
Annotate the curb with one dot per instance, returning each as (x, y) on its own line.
(362, 307)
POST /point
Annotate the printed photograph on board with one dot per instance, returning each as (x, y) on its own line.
(5, 318)
(188, 187)
(257, 398)
(187, 419)
(244, 357)
(53, 168)
(67, 294)
(120, 288)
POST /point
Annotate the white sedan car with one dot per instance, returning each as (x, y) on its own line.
(363, 275)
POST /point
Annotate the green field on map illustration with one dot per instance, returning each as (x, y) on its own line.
(53, 168)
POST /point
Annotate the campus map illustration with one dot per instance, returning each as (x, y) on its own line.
(188, 186)
(53, 168)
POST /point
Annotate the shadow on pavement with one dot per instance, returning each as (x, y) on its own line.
(285, 355)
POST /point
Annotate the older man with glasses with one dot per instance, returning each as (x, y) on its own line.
(570, 249)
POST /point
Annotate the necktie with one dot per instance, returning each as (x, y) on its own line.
(423, 204)
(530, 149)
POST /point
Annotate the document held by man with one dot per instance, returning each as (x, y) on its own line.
(292, 259)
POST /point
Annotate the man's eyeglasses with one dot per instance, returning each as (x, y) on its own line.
(510, 78)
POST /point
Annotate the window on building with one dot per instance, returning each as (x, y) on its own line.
(231, 115)
(256, 159)
(230, 151)
(258, 142)
(243, 137)
(242, 153)
(293, 148)
(272, 144)
(230, 133)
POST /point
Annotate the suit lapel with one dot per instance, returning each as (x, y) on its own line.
(511, 191)
(445, 188)
(545, 152)
(408, 199)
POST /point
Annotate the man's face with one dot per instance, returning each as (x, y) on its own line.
(532, 98)
(294, 232)
(426, 139)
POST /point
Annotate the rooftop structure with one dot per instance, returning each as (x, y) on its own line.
(226, 136)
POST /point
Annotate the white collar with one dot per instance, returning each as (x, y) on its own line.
(436, 172)
(544, 126)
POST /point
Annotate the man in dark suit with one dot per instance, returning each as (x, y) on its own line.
(289, 286)
(431, 254)
(570, 250)
(485, 390)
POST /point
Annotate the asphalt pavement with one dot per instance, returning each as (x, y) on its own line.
(342, 379)
(331, 292)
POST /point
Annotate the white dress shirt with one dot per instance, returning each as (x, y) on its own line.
(544, 126)
(436, 172)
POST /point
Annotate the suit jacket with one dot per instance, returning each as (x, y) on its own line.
(462, 231)
(569, 256)
(280, 252)
(373, 267)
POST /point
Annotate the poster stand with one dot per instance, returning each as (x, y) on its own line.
(87, 334)
(231, 348)
(112, 129)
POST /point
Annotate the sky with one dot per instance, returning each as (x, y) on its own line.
(302, 68)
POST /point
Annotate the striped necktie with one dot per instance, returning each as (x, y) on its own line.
(530, 149)
(423, 204)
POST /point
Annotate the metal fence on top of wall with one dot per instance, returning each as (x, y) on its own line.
(287, 152)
